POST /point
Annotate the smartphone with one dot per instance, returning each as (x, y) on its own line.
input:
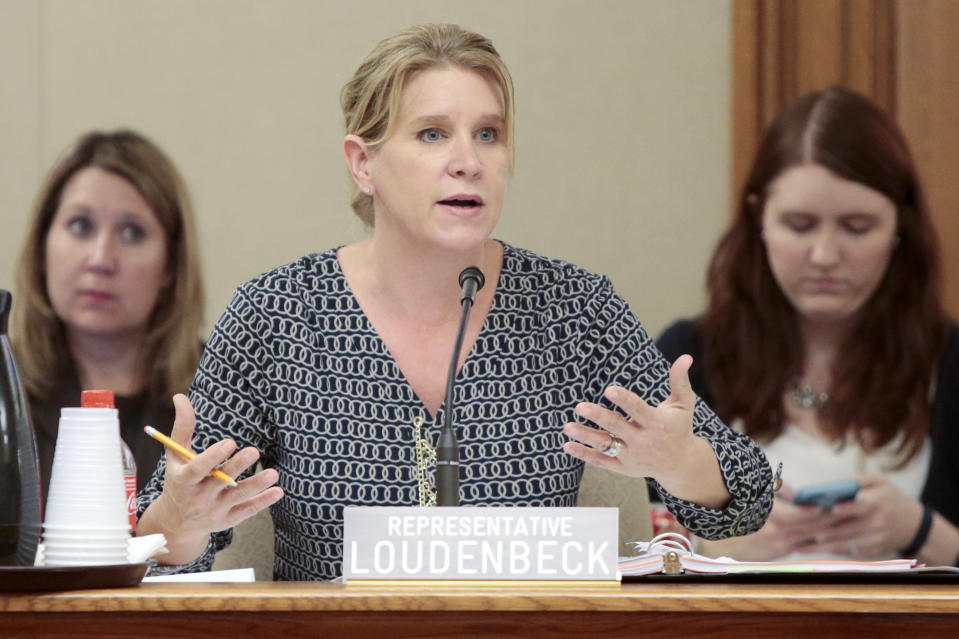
(828, 494)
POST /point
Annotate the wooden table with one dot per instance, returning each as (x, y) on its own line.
(293, 610)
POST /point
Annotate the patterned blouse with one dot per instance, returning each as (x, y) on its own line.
(294, 368)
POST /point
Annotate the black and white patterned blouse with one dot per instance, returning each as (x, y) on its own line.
(294, 368)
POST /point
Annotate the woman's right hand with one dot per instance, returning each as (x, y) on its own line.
(193, 503)
(788, 529)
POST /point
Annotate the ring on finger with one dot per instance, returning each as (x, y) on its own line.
(615, 446)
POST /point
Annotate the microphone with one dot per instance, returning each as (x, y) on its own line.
(447, 450)
(472, 280)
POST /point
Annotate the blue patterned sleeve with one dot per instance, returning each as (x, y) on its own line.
(227, 394)
(617, 350)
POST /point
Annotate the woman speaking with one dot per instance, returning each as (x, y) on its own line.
(332, 369)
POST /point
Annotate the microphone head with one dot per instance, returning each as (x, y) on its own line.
(472, 273)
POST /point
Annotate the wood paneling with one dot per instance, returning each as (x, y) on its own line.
(665, 610)
(478, 625)
(870, 49)
(864, 598)
(817, 57)
(927, 105)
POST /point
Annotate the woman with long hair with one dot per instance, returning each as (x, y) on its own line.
(109, 290)
(825, 338)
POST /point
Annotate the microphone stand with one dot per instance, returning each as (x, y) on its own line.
(447, 449)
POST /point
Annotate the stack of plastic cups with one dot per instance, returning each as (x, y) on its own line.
(86, 515)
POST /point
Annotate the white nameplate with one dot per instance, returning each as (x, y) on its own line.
(470, 542)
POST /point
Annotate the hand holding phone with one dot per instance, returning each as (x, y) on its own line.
(828, 494)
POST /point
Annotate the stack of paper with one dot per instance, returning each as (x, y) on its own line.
(214, 576)
(671, 553)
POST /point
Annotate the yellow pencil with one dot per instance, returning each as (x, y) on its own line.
(172, 445)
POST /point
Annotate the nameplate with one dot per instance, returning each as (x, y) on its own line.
(477, 543)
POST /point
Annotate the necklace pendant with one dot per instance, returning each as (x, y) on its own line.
(804, 396)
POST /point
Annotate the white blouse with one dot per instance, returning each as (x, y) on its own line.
(807, 460)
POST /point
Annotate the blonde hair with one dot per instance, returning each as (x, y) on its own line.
(171, 349)
(371, 98)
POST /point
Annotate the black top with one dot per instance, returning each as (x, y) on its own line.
(941, 491)
(135, 412)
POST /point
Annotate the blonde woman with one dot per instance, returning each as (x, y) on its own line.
(109, 290)
(333, 368)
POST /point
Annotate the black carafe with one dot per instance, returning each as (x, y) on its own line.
(20, 513)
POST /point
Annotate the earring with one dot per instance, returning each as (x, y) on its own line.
(367, 190)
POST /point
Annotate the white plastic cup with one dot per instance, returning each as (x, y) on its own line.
(86, 521)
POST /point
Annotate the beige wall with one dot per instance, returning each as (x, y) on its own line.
(622, 122)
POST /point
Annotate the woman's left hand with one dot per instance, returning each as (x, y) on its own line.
(880, 521)
(655, 441)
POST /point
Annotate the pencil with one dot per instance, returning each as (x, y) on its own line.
(172, 445)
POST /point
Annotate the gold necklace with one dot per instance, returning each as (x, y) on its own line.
(425, 459)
